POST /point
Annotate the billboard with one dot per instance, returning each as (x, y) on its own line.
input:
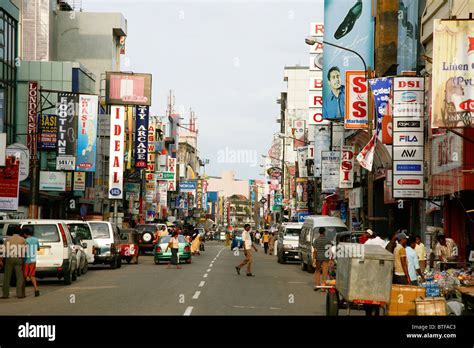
(67, 131)
(87, 133)
(302, 158)
(453, 73)
(322, 142)
(128, 88)
(9, 181)
(117, 147)
(351, 26)
(79, 181)
(47, 132)
(346, 177)
(52, 181)
(301, 194)
(141, 136)
(330, 173)
(356, 116)
(32, 117)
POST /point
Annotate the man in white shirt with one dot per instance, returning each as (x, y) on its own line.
(374, 239)
(248, 245)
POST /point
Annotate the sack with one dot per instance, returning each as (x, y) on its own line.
(201, 247)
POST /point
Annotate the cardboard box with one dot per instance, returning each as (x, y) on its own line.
(402, 299)
(431, 306)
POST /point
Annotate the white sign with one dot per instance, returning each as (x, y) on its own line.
(407, 124)
(408, 153)
(322, 142)
(24, 160)
(408, 84)
(356, 116)
(52, 181)
(355, 198)
(408, 138)
(346, 177)
(413, 182)
(315, 99)
(407, 193)
(408, 97)
(172, 168)
(163, 191)
(117, 148)
(79, 181)
(302, 157)
(311, 152)
(3, 148)
(408, 110)
(65, 162)
(316, 29)
(330, 171)
(447, 153)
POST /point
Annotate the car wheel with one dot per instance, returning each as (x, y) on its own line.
(74, 275)
(303, 266)
(119, 261)
(113, 263)
(67, 278)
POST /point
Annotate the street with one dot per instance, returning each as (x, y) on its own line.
(208, 286)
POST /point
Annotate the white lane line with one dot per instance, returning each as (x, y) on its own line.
(211, 265)
(205, 275)
(196, 295)
(297, 282)
(201, 284)
(188, 310)
(209, 270)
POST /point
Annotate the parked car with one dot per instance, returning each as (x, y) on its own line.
(237, 241)
(82, 230)
(147, 235)
(309, 233)
(288, 241)
(161, 254)
(80, 247)
(57, 255)
(130, 246)
(106, 236)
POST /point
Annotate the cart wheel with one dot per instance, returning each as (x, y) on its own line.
(332, 304)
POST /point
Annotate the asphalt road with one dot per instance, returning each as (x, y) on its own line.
(207, 286)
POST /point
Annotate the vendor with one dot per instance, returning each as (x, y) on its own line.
(446, 249)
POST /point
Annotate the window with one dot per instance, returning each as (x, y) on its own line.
(81, 231)
(45, 233)
(99, 230)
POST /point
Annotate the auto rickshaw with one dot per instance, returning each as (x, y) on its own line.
(129, 248)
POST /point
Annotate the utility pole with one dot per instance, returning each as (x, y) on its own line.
(370, 177)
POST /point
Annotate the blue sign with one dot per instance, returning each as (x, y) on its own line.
(381, 89)
(115, 192)
(343, 211)
(187, 186)
(302, 216)
(141, 136)
(409, 167)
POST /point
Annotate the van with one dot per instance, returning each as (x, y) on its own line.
(106, 238)
(57, 255)
(310, 232)
(288, 241)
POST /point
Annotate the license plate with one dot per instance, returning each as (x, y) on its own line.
(41, 251)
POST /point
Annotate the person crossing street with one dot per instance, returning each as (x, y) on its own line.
(248, 245)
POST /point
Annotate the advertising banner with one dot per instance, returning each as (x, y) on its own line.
(87, 133)
(408, 34)
(163, 190)
(302, 157)
(79, 181)
(32, 107)
(316, 80)
(356, 116)
(330, 171)
(346, 177)
(355, 198)
(117, 147)
(187, 186)
(301, 194)
(199, 194)
(172, 168)
(322, 142)
(348, 24)
(151, 159)
(299, 127)
(67, 131)
(10, 181)
(24, 158)
(453, 73)
(128, 89)
(141, 136)
(47, 132)
(52, 181)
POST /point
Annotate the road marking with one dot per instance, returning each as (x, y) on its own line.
(201, 284)
(274, 308)
(188, 310)
(196, 295)
(254, 307)
(211, 265)
(90, 287)
(208, 270)
(205, 275)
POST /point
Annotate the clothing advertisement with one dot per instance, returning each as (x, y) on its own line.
(301, 194)
(349, 24)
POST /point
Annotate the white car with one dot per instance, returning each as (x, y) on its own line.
(106, 236)
(57, 256)
(81, 253)
(82, 230)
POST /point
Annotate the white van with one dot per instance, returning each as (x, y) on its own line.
(57, 255)
(288, 241)
(310, 232)
(106, 237)
(83, 232)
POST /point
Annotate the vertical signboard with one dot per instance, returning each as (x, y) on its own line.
(9, 181)
(67, 129)
(301, 194)
(87, 133)
(346, 177)
(348, 24)
(302, 157)
(117, 125)
(322, 142)
(356, 116)
(32, 108)
(453, 73)
(79, 181)
(408, 137)
(299, 127)
(47, 132)
(199, 195)
(330, 171)
(163, 190)
(150, 169)
(141, 136)
(172, 168)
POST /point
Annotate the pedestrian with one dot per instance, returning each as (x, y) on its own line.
(401, 275)
(321, 256)
(392, 243)
(227, 239)
(248, 245)
(195, 246)
(32, 247)
(15, 248)
(421, 253)
(365, 237)
(374, 239)
(271, 243)
(445, 249)
(174, 246)
(266, 239)
(413, 262)
(257, 237)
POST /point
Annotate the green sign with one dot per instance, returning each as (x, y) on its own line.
(165, 176)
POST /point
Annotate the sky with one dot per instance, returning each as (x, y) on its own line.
(225, 60)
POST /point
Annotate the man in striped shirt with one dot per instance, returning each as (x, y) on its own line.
(321, 253)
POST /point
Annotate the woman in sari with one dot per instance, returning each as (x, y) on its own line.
(196, 244)
(174, 246)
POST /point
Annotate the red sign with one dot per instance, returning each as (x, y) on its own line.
(356, 116)
(467, 105)
(9, 182)
(32, 117)
(346, 178)
(409, 182)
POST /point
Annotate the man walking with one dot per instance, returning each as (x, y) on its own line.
(15, 248)
(29, 268)
(321, 253)
(248, 245)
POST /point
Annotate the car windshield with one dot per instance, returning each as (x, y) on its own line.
(166, 239)
(45, 233)
(294, 232)
(142, 228)
(81, 231)
(330, 231)
(99, 230)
